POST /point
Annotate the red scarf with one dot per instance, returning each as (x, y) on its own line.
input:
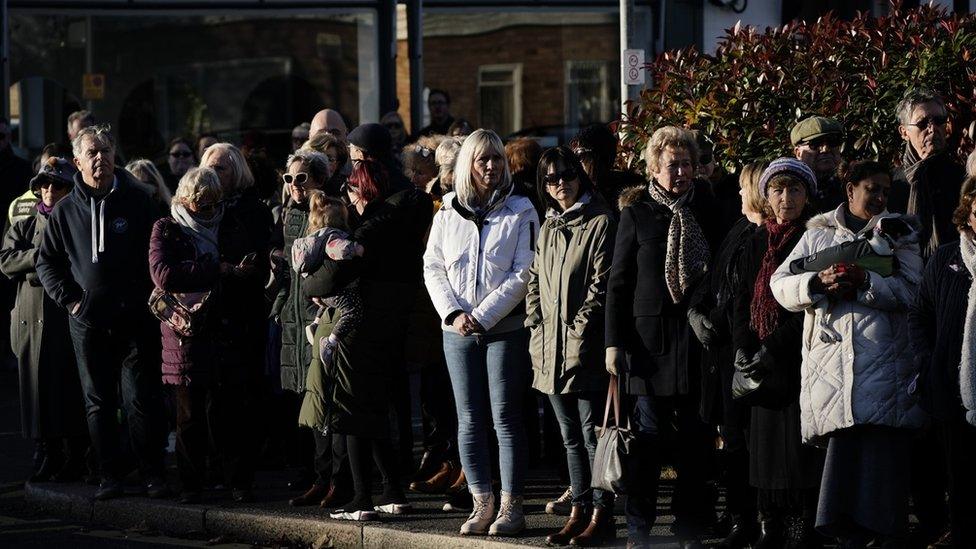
(765, 310)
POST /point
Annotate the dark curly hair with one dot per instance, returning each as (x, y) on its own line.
(960, 217)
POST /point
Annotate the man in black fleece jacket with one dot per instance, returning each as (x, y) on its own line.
(94, 263)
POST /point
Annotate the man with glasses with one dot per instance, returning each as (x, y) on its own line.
(928, 182)
(439, 106)
(817, 142)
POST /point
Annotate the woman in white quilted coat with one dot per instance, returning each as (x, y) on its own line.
(857, 364)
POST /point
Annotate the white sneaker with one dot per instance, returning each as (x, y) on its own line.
(394, 508)
(561, 505)
(358, 516)
(482, 511)
(510, 519)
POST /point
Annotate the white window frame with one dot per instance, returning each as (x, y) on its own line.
(516, 71)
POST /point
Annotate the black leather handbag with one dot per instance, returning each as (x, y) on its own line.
(613, 447)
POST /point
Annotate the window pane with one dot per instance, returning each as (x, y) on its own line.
(229, 72)
(497, 109)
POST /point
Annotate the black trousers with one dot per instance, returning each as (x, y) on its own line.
(928, 482)
(120, 364)
(437, 409)
(332, 462)
(960, 446)
(363, 452)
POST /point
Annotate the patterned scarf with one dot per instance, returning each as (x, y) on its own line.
(920, 197)
(687, 254)
(967, 368)
(765, 311)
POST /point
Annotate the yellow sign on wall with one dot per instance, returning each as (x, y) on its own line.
(93, 86)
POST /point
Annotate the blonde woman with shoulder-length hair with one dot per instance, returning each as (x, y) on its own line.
(483, 224)
(231, 167)
(147, 172)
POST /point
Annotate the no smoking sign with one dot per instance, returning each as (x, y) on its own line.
(633, 65)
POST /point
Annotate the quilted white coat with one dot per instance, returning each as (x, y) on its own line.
(483, 271)
(864, 377)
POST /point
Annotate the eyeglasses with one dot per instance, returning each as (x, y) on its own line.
(298, 179)
(348, 187)
(923, 124)
(181, 154)
(553, 179)
(830, 141)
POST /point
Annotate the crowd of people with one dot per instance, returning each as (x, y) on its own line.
(800, 334)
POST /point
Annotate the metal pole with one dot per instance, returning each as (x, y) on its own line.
(415, 47)
(4, 61)
(626, 42)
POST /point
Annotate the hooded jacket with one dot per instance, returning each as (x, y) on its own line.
(567, 293)
(481, 266)
(96, 251)
(864, 377)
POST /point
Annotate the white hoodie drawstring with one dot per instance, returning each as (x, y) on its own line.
(94, 231)
(101, 226)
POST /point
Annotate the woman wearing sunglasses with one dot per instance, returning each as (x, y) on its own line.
(306, 170)
(52, 412)
(565, 308)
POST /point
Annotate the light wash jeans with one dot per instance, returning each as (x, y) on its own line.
(489, 374)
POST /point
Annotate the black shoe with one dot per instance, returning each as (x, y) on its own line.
(156, 488)
(188, 498)
(459, 501)
(242, 495)
(108, 489)
(740, 535)
(770, 535)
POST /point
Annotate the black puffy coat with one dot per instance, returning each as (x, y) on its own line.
(295, 310)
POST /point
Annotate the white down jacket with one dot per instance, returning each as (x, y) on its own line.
(864, 377)
(481, 270)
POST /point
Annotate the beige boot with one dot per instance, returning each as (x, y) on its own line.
(483, 509)
(510, 520)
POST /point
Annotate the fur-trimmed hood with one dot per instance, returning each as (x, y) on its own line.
(632, 195)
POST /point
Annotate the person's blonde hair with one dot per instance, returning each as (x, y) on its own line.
(147, 172)
(242, 176)
(314, 161)
(197, 185)
(749, 182)
(323, 140)
(446, 157)
(479, 141)
(326, 211)
(673, 137)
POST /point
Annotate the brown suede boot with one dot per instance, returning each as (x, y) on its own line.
(310, 497)
(574, 526)
(600, 530)
(438, 483)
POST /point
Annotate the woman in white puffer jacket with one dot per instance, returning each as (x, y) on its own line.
(857, 364)
(476, 268)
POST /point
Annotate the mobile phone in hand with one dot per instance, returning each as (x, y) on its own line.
(248, 259)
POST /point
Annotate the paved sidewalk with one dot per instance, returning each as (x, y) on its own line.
(271, 520)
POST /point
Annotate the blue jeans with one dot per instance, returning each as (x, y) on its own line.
(575, 414)
(489, 374)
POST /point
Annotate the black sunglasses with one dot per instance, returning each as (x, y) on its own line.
(58, 184)
(923, 124)
(553, 179)
(829, 140)
(181, 154)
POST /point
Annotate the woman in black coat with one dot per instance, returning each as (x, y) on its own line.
(939, 321)
(767, 342)
(244, 239)
(662, 248)
(710, 318)
(51, 409)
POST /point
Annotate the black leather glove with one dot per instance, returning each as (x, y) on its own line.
(754, 367)
(702, 327)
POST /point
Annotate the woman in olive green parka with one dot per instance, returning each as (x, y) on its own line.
(565, 306)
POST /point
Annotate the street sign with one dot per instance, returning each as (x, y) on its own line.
(633, 67)
(93, 86)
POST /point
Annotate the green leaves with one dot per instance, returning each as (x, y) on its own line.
(750, 93)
